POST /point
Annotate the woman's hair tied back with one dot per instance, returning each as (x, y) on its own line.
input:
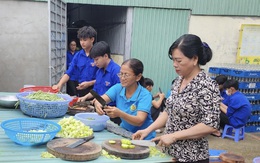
(205, 45)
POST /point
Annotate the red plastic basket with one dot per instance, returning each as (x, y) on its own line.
(37, 88)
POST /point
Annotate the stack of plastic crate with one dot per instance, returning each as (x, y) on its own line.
(248, 77)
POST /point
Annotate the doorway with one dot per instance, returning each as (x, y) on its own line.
(110, 23)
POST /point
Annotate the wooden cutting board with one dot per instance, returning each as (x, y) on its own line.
(139, 152)
(84, 152)
(231, 158)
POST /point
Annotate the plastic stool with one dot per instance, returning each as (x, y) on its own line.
(256, 160)
(234, 133)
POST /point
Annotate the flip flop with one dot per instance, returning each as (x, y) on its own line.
(216, 135)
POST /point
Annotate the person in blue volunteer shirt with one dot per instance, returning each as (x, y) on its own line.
(72, 82)
(106, 75)
(133, 101)
(237, 109)
(82, 63)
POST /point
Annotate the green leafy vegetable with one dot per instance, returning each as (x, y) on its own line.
(40, 95)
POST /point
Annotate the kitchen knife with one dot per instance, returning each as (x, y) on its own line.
(146, 143)
(80, 141)
(160, 90)
(98, 97)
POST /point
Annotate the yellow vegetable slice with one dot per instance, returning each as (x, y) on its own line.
(125, 146)
(112, 142)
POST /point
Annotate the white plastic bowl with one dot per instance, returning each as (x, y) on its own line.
(8, 101)
(93, 120)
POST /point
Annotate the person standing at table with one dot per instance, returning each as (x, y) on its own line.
(192, 110)
(158, 100)
(82, 63)
(106, 75)
(133, 101)
(72, 82)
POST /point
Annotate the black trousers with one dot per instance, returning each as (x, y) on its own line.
(71, 87)
(223, 120)
(72, 90)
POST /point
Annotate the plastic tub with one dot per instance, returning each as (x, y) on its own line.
(93, 120)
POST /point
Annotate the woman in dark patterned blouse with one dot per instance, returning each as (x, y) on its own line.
(192, 110)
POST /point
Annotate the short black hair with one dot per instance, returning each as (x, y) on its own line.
(231, 83)
(221, 79)
(148, 82)
(100, 49)
(87, 32)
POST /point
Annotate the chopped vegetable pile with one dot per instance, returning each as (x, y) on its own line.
(156, 152)
(107, 155)
(126, 144)
(72, 128)
(47, 155)
(40, 95)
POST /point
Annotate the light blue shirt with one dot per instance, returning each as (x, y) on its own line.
(140, 101)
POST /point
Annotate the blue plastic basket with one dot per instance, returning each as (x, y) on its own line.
(43, 109)
(30, 131)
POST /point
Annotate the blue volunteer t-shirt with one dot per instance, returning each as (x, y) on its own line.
(107, 78)
(83, 66)
(239, 109)
(70, 57)
(140, 101)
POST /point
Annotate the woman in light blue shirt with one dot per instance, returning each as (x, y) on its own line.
(133, 101)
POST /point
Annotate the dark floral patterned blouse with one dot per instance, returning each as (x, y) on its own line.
(197, 103)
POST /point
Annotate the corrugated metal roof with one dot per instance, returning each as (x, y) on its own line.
(154, 30)
(198, 7)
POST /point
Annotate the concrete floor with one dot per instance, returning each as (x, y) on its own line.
(249, 148)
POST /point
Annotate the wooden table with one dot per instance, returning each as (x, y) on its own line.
(12, 152)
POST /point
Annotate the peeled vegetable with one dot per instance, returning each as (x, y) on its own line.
(47, 155)
(112, 142)
(72, 128)
(126, 144)
(107, 155)
(155, 152)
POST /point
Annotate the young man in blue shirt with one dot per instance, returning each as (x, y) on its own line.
(237, 108)
(82, 64)
(106, 75)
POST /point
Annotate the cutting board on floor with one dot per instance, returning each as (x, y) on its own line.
(231, 158)
(139, 152)
(84, 152)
